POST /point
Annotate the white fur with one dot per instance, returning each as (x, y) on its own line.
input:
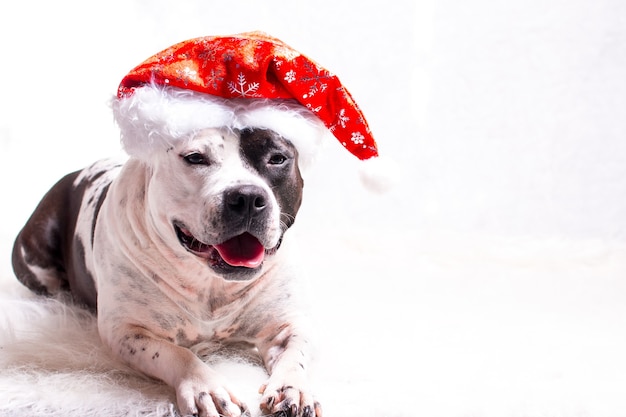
(156, 118)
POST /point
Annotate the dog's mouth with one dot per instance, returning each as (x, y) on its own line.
(241, 251)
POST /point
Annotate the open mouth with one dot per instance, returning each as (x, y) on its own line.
(243, 250)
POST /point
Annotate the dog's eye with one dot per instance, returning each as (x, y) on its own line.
(195, 159)
(277, 159)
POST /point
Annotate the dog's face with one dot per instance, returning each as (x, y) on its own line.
(226, 197)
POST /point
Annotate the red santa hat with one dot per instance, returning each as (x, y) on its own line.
(249, 79)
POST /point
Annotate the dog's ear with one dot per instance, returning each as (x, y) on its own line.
(154, 118)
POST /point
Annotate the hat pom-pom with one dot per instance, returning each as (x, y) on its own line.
(378, 174)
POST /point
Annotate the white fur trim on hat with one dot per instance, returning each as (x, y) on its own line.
(287, 117)
(154, 118)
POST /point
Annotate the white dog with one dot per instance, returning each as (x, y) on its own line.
(180, 245)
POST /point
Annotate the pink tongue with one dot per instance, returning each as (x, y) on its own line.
(243, 250)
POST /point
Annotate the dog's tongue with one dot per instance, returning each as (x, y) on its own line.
(243, 250)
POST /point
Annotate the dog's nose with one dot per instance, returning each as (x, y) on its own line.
(246, 200)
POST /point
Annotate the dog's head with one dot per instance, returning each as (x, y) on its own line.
(224, 184)
(228, 196)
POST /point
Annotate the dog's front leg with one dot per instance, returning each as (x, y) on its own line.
(200, 391)
(286, 358)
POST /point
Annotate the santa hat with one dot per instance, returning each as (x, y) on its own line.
(244, 80)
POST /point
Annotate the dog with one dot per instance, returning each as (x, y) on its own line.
(182, 247)
(182, 243)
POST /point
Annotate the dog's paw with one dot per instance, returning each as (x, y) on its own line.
(288, 401)
(198, 398)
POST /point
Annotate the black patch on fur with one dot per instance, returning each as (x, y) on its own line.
(43, 245)
(55, 248)
(182, 339)
(261, 149)
(83, 288)
(97, 208)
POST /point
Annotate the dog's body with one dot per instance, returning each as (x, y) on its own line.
(178, 250)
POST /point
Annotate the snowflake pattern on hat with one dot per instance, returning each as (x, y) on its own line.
(255, 65)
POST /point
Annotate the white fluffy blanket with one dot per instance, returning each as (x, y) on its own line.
(440, 327)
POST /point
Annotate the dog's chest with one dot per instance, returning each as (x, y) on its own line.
(211, 314)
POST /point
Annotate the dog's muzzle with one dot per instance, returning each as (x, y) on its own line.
(244, 218)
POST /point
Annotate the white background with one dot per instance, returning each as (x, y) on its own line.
(490, 280)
